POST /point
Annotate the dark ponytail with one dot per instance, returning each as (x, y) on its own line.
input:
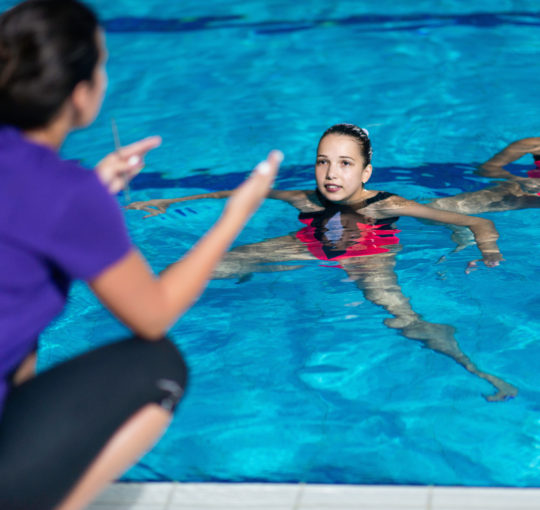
(46, 48)
(361, 136)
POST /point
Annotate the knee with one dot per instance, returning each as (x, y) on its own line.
(168, 371)
(173, 364)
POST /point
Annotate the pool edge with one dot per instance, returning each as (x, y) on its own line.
(226, 496)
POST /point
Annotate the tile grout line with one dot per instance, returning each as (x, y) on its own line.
(168, 503)
(299, 494)
(429, 501)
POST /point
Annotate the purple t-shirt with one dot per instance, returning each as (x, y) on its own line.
(57, 223)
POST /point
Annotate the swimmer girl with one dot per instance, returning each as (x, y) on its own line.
(346, 222)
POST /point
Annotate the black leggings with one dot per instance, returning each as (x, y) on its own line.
(54, 425)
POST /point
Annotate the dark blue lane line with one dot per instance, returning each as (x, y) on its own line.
(133, 24)
(432, 176)
(379, 22)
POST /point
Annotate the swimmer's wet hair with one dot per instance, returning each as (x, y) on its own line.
(46, 48)
(361, 135)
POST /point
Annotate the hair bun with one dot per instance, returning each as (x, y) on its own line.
(46, 48)
(5, 53)
(6, 64)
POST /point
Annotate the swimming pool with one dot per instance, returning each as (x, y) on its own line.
(294, 375)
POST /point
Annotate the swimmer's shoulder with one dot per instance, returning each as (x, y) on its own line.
(303, 200)
(385, 203)
(386, 200)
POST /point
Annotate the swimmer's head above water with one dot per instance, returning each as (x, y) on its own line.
(343, 163)
(359, 134)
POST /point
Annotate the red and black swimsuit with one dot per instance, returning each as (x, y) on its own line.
(535, 173)
(339, 232)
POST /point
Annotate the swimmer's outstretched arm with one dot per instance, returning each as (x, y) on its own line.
(160, 205)
(148, 304)
(484, 231)
(493, 167)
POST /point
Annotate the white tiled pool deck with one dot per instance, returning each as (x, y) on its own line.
(224, 496)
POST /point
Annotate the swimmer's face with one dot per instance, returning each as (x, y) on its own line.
(340, 170)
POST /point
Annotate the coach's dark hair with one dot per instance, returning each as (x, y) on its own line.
(359, 134)
(46, 48)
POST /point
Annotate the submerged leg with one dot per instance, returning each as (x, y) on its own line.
(504, 196)
(440, 338)
(376, 278)
(263, 257)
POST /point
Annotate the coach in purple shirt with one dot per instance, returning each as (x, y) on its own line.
(66, 432)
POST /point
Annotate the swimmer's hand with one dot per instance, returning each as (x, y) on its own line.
(490, 259)
(119, 167)
(246, 199)
(153, 207)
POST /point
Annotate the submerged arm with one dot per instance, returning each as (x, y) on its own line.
(493, 167)
(160, 205)
(484, 231)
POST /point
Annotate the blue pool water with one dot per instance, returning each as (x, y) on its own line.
(294, 375)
